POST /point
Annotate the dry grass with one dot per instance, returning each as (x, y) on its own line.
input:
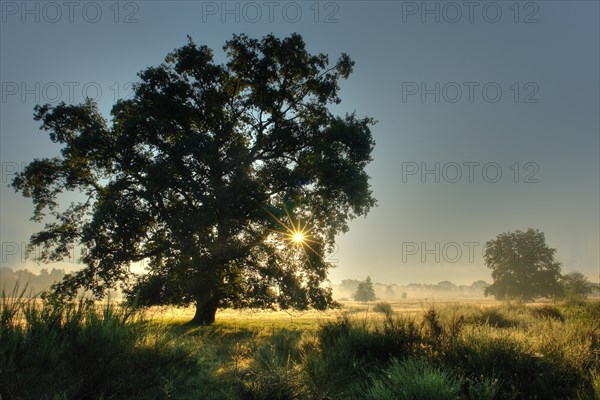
(485, 349)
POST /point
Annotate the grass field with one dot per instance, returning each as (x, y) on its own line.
(396, 350)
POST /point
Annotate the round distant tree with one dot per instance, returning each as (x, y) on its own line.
(365, 291)
(575, 284)
(230, 181)
(522, 265)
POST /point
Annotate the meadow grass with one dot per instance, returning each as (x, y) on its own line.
(396, 350)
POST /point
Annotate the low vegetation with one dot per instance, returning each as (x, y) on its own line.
(430, 351)
(80, 350)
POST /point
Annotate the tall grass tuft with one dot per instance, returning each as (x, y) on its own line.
(275, 373)
(411, 379)
(83, 350)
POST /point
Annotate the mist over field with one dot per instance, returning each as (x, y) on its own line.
(345, 290)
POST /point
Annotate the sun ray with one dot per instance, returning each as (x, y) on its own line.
(296, 233)
(299, 237)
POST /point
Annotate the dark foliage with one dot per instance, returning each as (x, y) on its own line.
(198, 174)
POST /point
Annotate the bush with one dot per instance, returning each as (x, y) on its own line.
(521, 374)
(581, 310)
(492, 316)
(550, 312)
(383, 307)
(275, 373)
(431, 321)
(345, 349)
(445, 327)
(332, 364)
(412, 380)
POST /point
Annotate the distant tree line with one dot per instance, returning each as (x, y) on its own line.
(523, 267)
(34, 284)
(349, 287)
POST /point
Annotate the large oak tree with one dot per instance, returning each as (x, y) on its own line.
(523, 266)
(204, 174)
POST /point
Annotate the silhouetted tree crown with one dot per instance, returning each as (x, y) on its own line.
(365, 291)
(198, 173)
(522, 265)
(576, 284)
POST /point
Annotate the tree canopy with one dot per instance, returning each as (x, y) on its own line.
(523, 266)
(575, 284)
(207, 174)
(365, 291)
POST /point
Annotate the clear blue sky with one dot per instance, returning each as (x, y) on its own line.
(477, 90)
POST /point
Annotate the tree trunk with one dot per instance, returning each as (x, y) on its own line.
(205, 312)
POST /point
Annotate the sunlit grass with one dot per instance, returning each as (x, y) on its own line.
(259, 320)
(483, 349)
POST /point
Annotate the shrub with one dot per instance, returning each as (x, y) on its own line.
(547, 311)
(431, 321)
(275, 372)
(384, 308)
(333, 364)
(272, 376)
(521, 374)
(492, 316)
(411, 379)
(345, 349)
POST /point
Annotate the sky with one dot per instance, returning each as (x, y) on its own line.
(488, 114)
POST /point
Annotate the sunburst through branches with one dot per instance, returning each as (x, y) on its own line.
(296, 233)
